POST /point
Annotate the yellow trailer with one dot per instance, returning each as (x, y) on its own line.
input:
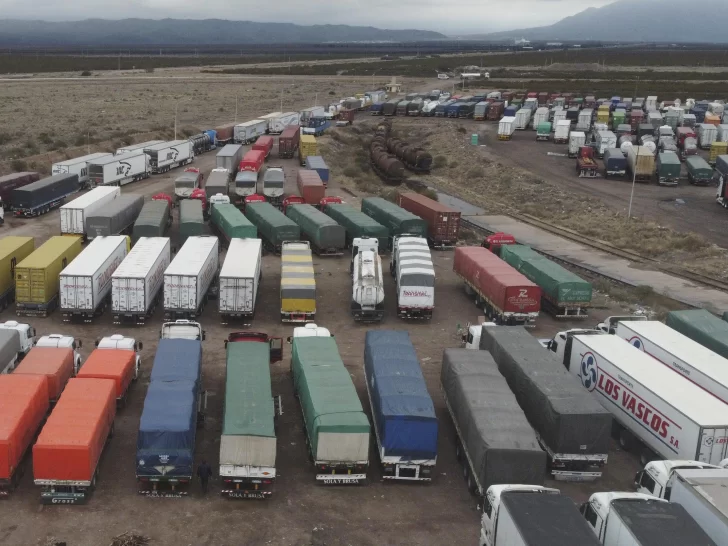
(36, 277)
(306, 147)
(13, 250)
(716, 149)
(298, 285)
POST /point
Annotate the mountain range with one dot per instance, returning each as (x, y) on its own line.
(666, 21)
(149, 32)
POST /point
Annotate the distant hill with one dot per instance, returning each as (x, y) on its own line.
(671, 21)
(130, 32)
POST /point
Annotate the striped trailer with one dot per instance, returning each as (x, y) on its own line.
(298, 285)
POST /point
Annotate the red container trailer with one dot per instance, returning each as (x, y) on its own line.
(16, 180)
(543, 99)
(118, 365)
(532, 95)
(67, 452)
(310, 186)
(495, 111)
(443, 223)
(288, 142)
(54, 363)
(225, 133)
(252, 161)
(506, 296)
(23, 406)
(636, 117)
(264, 144)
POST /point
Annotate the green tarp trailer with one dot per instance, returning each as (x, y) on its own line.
(229, 222)
(699, 171)
(702, 327)
(153, 220)
(357, 224)
(397, 220)
(191, 222)
(337, 428)
(325, 235)
(274, 227)
(669, 168)
(515, 255)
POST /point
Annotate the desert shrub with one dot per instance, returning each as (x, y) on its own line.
(18, 165)
(432, 194)
(351, 172)
(86, 73)
(439, 162)
(475, 172)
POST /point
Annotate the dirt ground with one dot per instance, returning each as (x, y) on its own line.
(300, 511)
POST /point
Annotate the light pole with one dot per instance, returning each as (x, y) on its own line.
(634, 179)
(176, 106)
(236, 108)
(373, 74)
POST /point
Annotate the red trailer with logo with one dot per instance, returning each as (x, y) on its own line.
(504, 294)
(264, 144)
(443, 223)
(497, 240)
(288, 142)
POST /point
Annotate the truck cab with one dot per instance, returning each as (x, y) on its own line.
(653, 479)
(367, 282)
(495, 241)
(609, 325)
(182, 329)
(597, 509)
(26, 333)
(361, 244)
(310, 330)
(273, 180)
(491, 506)
(471, 334)
(219, 199)
(118, 341)
(61, 341)
(560, 345)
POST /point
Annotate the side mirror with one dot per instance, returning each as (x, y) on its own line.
(96, 343)
(288, 339)
(80, 343)
(225, 343)
(203, 335)
(140, 345)
(32, 332)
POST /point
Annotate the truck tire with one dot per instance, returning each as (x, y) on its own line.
(626, 439)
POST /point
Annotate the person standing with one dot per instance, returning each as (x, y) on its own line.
(204, 472)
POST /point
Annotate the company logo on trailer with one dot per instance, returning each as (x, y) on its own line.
(175, 153)
(123, 168)
(588, 371)
(635, 341)
(415, 293)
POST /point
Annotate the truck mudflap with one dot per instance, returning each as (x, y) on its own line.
(495, 314)
(367, 314)
(36, 309)
(138, 319)
(341, 474)
(87, 316)
(571, 311)
(298, 317)
(155, 486)
(574, 467)
(622, 173)
(249, 487)
(242, 319)
(65, 492)
(441, 245)
(671, 182)
(420, 313)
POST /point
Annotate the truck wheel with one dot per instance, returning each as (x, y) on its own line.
(94, 479)
(111, 431)
(626, 440)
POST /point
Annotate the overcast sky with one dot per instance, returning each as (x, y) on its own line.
(463, 16)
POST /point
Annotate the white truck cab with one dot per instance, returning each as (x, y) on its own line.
(560, 345)
(218, 199)
(182, 329)
(61, 341)
(310, 330)
(471, 335)
(26, 333)
(367, 282)
(653, 479)
(597, 509)
(491, 506)
(118, 341)
(609, 325)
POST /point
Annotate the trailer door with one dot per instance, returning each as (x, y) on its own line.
(713, 445)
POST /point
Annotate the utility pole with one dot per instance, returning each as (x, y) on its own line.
(236, 108)
(634, 179)
(88, 142)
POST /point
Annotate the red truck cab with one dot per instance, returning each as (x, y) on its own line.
(497, 240)
(292, 200)
(254, 198)
(329, 201)
(586, 167)
(164, 197)
(252, 161)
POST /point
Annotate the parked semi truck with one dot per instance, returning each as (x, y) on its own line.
(44, 195)
(79, 166)
(116, 218)
(230, 224)
(357, 224)
(74, 214)
(191, 278)
(397, 220)
(118, 342)
(37, 276)
(240, 277)
(367, 298)
(298, 283)
(414, 274)
(174, 407)
(632, 519)
(248, 444)
(26, 336)
(186, 183)
(701, 326)
(403, 415)
(274, 227)
(495, 444)
(336, 427)
(85, 284)
(571, 426)
(154, 220)
(655, 478)
(169, 155)
(443, 222)
(13, 250)
(527, 515)
(663, 414)
(117, 365)
(505, 295)
(119, 170)
(67, 452)
(327, 238)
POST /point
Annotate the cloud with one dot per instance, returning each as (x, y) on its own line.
(465, 16)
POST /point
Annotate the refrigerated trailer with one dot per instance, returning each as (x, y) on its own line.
(239, 279)
(191, 278)
(136, 284)
(168, 155)
(85, 284)
(79, 166)
(74, 214)
(119, 170)
(703, 495)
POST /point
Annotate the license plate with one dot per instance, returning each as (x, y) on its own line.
(341, 480)
(247, 495)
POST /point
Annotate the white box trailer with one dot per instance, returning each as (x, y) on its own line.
(667, 413)
(85, 284)
(136, 284)
(577, 139)
(506, 127)
(704, 495)
(540, 116)
(169, 155)
(268, 117)
(73, 214)
(239, 279)
(77, 165)
(523, 118)
(119, 170)
(279, 123)
(584, 121)
(243, 133)
(604, 141)
(312, 112)
(189, 277)
(135, 147)
(698, 364)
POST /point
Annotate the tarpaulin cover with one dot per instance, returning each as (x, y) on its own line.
(152, 220)
(166, 440)
(402, 407)
(23, 405)
(397, 220)
(566, 416)
(191, 222)
(232, 223)
(702, 327)
(70, 444)
(325, 389)
(115, 364)
(56, 364)
(177, 360)
(273, 226)
(358, 224)
(499, 441)
(320, 229)
(9, 345)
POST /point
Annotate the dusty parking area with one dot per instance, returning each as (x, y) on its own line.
(300, 512)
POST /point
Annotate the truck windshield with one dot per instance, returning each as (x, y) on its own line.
(184, 184)
(246, 179)
(273, 183)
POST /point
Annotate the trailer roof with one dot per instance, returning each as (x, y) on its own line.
(142, 257)
(710, 484)
(241, 259)
(548, 519)
(91, 197)
(692, 402)
(659, 523)
(94, 255)
(229, 150)
(192, 256)
(83, 158)
(116, 158)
